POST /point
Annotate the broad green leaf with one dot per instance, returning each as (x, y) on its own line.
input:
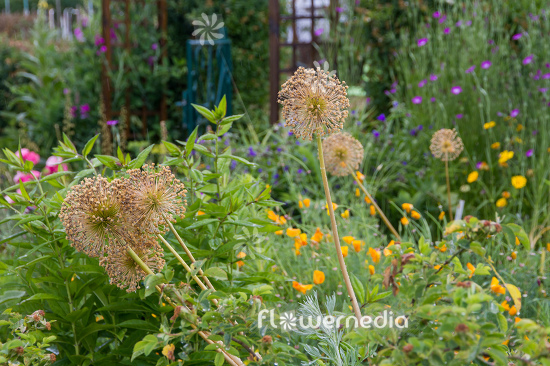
(190, 144)
(205, 112)
(89, 145)
(140, 159)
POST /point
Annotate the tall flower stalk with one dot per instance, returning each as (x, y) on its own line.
(315, 104)
(446, 146)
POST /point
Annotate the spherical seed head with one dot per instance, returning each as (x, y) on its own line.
(92, 216)
(154, 193)
(122, 269)
(314, 102)
(446, 145)
(342, 152)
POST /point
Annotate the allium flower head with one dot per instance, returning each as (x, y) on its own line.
(122, 269)
(92, 216)
(154, 193)
(342, 152)
(314, 102)
(446, 145)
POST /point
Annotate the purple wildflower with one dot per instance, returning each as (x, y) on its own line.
(339, 9)
(459, 116)
(517, 36)
(381, 117)
(433, 77)
(375, 133)
(527, 60)
(112, 123)
(251, 152)
(447, 30)
(468, 23)
(543, 90)
(456, 90)
(486, 64)
(103, 49)
(99, 40)
(478, 165)
(154, 46)
(421, 42)
(529, 153)
(546, 76)
(79, 35)
(442, 19)
(514, 113)
(417, 100)
(432, 99)
(459, 23)
(319, 31)
(470, 69)
(422, 83)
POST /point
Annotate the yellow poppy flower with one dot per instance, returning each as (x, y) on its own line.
(301, 288)
(293, 232)
(357, 192)
(241, 255)
(345, 214)
(367, 200)
(360, 176)
(200, 213)
(471, 268)
(372, 210)
(348, 239)
(318, 236)
(501, 202)
(357, 245)
(375, 255)
(407, 207)
(513, 311)
(301, 239)
(404, 221)
(495, 145)
(441, 215)
(496, 287)
(318, 277)
(371, 269)
(489, 125)
(279, 232)
(307, 202)
(416, 215)
(344, 251)
(514, 255)
(517, 241)
(506, 194)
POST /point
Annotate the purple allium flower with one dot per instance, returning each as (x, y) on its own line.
(112, 123)
(527, 60)
(514, 113)
(251, 152)
(421, 42)
(456, 90)
(436, 14)
(529, 153)
(318, 32)
(517, 36)
(459, 116)
(470, 69)
(447, 30)
(432, 99)
(353, 112)
(413, 132)
(433, 77)
(376, 134)
(422, 83)
(486, 64)
(381, 117)
(417, 100)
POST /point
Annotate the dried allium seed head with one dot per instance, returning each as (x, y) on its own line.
(124, 272)
(341, 152)
(446, 145)
(314, 102)
(92, 216)
(153, 193)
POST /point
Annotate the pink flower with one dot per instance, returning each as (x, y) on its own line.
(447, 30)
(53, 164)
(26, 154)
(417, 100)
(456, 90)
(515, 37)
(514, 113)
(527, 60)
(112, 123)
(421, 42)
(319, 31)
(486, 64)
(25, 177)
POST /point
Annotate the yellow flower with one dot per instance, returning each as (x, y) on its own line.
(99, 318)
(437, 267)
(241, 255)
(513, 311)
(348, 239)
(200, 213)
(472, 177)
(344, 251)
(519, 127)
(548, 247)
(387, 252)
(293, 232)
(168, 351)
(518, 140)
(357, 245)
(301, 204)
(495, 145)
(517, 241)
(519, 181)
(302, 288)
(441, 215)
(345, 214)
(372, 210)
(407, 207)
(279, 220)
(404, 221)
(496, 287)
(334, 207)
(504, 156)
(307, 202)
(318, 277)
(514, 255)
(371, 269)
(505, 305)
(279, 232)
(360, 176)
(367, 200)
(517, 319)
(318, 236)
(489, 125)
(357, 192)
(297, 246)
(416, 215)
(501, 202)
(442, 248)
(471, 268)
(240, 263)
(375, 255)
(301, 239)
(506, 194)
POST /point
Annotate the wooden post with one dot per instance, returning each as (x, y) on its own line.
(273, 60)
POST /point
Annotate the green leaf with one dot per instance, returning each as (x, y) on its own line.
(190, 144)
(201, 223)
(223, 129)
(69, 143)
(477, 248)
(24, 191)
(216, 273)
(239, 159)
(358, 288)
(173, 149)
(108, 161)
(145, 346)
(423, 246)
(43, 296)
(89, 145)
(502, 323)
(219, 360)
(222, 108)
(140, 159)
(230, 119)
(205, 112)
(139, 324)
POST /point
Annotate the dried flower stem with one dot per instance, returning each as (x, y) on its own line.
(378, 209)
(448, 188)
(187, 251)
(336, 238)
(232, 360)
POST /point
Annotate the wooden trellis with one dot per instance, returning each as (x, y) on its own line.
(303, 53)
(106, 83)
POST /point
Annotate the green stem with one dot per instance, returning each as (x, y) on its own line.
(448, 186)
(378, 209)
(336, 238)
(216, 160)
